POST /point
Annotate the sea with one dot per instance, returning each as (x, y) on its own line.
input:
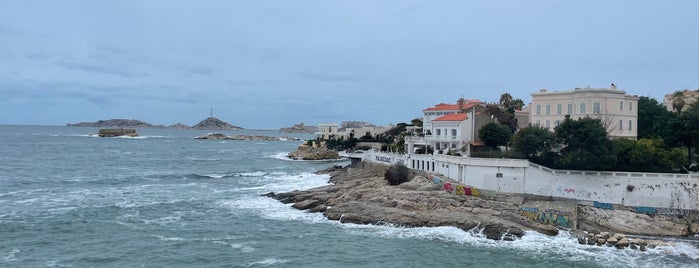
(164, 199)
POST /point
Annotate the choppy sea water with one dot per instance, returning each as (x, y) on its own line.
(68, 199)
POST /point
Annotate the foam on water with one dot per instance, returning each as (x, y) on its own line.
(266, 262)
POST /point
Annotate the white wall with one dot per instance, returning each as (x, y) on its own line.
(672, 191)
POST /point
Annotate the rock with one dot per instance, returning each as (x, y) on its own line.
(306, 204)
(622, 243)
(305, 152)
(694, 228)
(633, 246)
(601, 241)
(628, 222)
(611, 241)
(179, 126)
(213, 136)
(213, 123)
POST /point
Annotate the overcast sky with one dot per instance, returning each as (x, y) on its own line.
(269, 64)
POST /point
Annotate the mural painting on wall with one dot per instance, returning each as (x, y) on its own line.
(459, 190)
(663, 211)
(549, 216)
(436, 180)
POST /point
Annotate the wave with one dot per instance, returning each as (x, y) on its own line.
(266, 262)
(283, 156)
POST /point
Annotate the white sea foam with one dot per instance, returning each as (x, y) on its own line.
(266, 262)
(164, 238)
(11, 255)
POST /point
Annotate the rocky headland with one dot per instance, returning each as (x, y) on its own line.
(127, 123)
(213, 123)
(313, 151)
(360, 194)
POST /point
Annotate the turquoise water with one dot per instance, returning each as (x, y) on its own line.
(68, 199)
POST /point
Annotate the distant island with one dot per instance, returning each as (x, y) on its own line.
(299, 128)
(210, 123)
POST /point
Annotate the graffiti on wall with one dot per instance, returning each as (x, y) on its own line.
(663, 211)
(608, 206)
(548, 216)
(457, 189)
(383, 159)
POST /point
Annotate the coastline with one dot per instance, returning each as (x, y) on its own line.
(359, 194)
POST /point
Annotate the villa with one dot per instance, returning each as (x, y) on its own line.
(617, 110)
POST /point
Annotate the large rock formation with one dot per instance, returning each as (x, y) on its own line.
(596, 220)
(310, 152)
(299, 128)
(361, 195)
(213, 123)
(126, 123)
(355, 124)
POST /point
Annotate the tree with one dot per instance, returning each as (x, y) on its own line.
(416, 122)
(533, 141)
(678, 101)
(502, 116)
(494, 134)
(654, 120)
(686, 128)
(647, 155)
(396, 174)
(585, 144)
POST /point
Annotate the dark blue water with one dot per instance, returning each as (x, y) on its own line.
(68, 199)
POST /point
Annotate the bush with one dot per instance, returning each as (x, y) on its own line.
(397, 174)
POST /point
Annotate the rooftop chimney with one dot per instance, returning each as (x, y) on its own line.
(460, 102)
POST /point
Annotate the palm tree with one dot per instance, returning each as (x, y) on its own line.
(678, 101)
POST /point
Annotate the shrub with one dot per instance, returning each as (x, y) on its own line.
(397, 174)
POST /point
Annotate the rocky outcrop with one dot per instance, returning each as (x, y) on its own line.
(213, 123)
(125, 123)
(597, 220)
(219, 136)
(307, 152)
(299, 128)
(179, 126)
(361, 195)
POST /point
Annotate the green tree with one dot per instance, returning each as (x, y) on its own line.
(502, 116)
(686, 128)
(585, 144)
(416, 122)
(494, 134)
(654, 120)
(647, 155)
(533, 141)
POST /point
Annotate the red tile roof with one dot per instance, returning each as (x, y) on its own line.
(452, 107)
(452, 117)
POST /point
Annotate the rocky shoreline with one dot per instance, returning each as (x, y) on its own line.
(359, 194)
(219, 136)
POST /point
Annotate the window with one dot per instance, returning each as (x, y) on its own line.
(453, 132)
(557, 123)
(559, 109)
(582, 108)
(538, 122)
(570, 108)
(548, 109)
(621, 105)
(596, 108)
(621, 125)
(439, 132)
(630, 106)
(538, 109)
(548, 124)
(630, 125)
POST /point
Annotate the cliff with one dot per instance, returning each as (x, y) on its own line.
(355, 124)
(213, 123)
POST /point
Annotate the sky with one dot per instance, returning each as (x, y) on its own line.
(270, 64)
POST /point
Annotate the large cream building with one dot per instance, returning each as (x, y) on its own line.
(617, 110)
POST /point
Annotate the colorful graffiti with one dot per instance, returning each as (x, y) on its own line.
(646, 210)
(549, 216)
(608, 206)
(457, 189)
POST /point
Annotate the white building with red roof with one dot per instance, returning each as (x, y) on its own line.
(448, 128)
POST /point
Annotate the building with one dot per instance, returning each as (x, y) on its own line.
(688, 97)
(617, 110)
(327, 131)
(448, 128)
